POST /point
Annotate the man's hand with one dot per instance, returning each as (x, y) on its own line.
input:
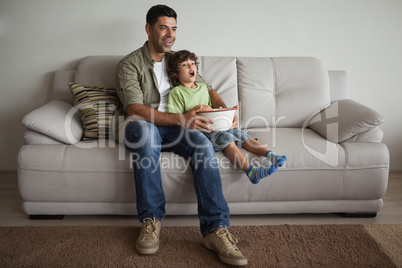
(194, 121)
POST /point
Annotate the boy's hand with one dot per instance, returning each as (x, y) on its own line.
(204, 108)
(235, 123)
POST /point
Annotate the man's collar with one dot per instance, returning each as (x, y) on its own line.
(147, 54)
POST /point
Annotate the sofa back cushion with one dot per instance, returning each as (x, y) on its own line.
(97, 71)
(221, 74)
(279, 91)
(301, 87)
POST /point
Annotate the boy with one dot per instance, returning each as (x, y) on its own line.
(186, 94)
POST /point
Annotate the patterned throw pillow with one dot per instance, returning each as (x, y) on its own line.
(96, 106)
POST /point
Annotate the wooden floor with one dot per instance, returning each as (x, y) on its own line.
(11, 213)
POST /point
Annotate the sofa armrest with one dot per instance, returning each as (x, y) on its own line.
(58, 120)
(344, 119)
(372, 135)
(33, 137)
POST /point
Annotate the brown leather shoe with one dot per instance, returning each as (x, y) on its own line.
(223, 243)
(148, 240)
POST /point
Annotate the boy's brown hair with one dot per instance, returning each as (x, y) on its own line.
(173, 65)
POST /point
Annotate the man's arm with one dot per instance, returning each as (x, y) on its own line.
(188, 120)
(142, 112)
(216, 100)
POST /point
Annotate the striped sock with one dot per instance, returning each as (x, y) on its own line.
(256, 174)
(276, 159)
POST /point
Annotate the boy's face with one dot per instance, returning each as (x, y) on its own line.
(187, 71)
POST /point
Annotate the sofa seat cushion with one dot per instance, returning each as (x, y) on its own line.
(106, 175)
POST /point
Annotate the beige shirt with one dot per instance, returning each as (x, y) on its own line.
(136, 83)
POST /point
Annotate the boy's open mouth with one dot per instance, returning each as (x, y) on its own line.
(192, 73)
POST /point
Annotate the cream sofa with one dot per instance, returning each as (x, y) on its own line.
(336, 162)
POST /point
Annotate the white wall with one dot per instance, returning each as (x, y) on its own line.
(363, 37)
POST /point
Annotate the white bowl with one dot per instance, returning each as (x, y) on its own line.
(223, 118)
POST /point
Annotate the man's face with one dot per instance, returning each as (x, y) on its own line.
(162, 35)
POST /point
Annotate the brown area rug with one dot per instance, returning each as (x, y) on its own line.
(264, 246)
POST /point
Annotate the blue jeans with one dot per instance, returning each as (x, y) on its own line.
(146, 142)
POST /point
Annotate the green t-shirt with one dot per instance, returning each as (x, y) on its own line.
(183, 99)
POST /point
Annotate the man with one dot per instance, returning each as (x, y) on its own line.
(142, 86)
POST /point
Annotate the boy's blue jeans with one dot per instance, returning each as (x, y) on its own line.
(146, 142)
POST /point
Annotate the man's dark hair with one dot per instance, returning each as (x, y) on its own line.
(160, 11)
(173, 65)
